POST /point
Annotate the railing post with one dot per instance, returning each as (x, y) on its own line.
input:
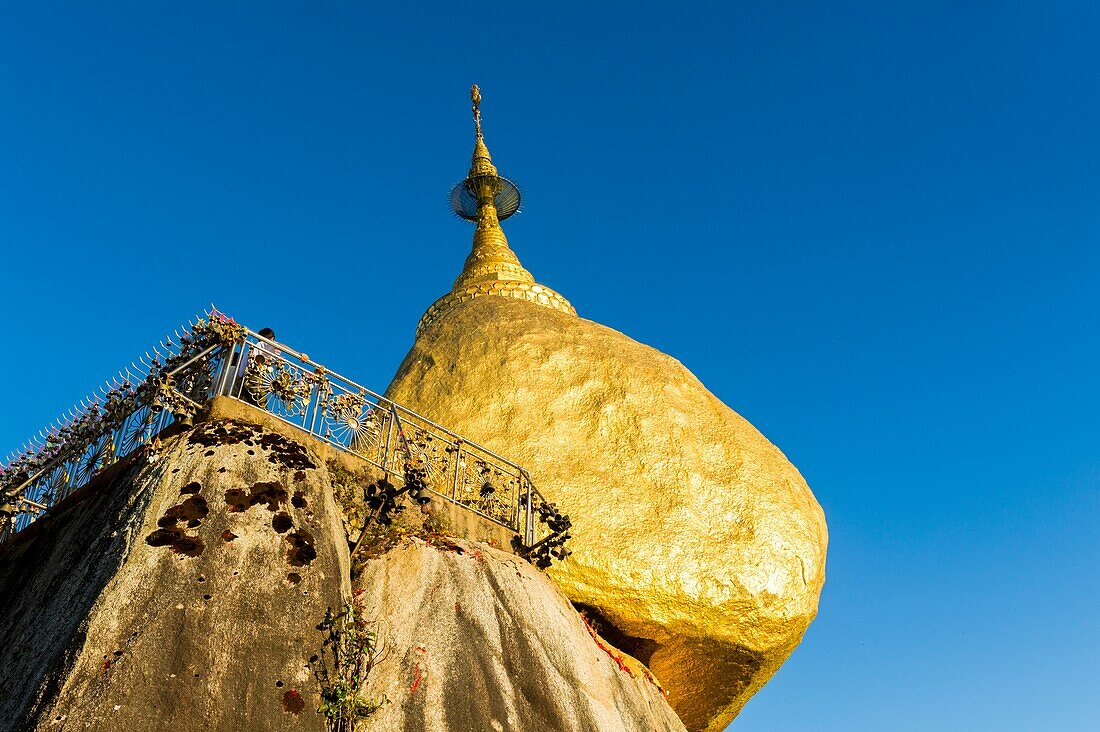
(216, 376)
(317, 394)
(241, 372)
(515, 497)
(233, 366)
(529, 524)
(227, 366)
(315, 402)
(458, 466)
(389, 439)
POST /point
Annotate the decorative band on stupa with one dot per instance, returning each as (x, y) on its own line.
(486, 198)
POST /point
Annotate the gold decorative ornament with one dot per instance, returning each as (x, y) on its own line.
(692, 534)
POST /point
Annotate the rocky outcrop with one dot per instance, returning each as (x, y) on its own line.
(178, 591)
(693, 535)
(182, 589)
(477, 639)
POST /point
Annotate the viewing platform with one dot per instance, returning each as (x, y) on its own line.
(216, 368)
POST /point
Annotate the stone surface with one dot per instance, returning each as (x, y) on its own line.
(182, 587)
(176, 592)
(478, 639)
(693, 535)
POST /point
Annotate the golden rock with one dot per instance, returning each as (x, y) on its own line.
(692, 534)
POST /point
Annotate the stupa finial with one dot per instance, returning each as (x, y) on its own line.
(486, 198)
(481, 163)
(475, 97)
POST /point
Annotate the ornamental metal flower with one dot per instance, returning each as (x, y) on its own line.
(269, 377)
(353, 422)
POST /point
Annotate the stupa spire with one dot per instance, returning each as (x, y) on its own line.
(481, 163)
(486, 198)
(494, 199)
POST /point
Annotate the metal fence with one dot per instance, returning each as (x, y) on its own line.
(214, 356)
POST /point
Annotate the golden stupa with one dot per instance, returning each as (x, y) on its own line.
(692, 534)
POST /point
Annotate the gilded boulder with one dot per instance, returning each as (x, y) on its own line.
(694, 537)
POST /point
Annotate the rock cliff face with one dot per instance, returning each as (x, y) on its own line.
(693, 534)
(182, 588)
(480, 640)
(180, 593)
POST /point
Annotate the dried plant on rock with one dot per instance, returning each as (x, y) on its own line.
(351, 648)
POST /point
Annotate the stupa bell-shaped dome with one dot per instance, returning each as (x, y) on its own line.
(692, 534)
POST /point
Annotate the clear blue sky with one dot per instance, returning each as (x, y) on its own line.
(871, 228)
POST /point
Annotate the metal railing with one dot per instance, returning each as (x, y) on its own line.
(216, 357)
